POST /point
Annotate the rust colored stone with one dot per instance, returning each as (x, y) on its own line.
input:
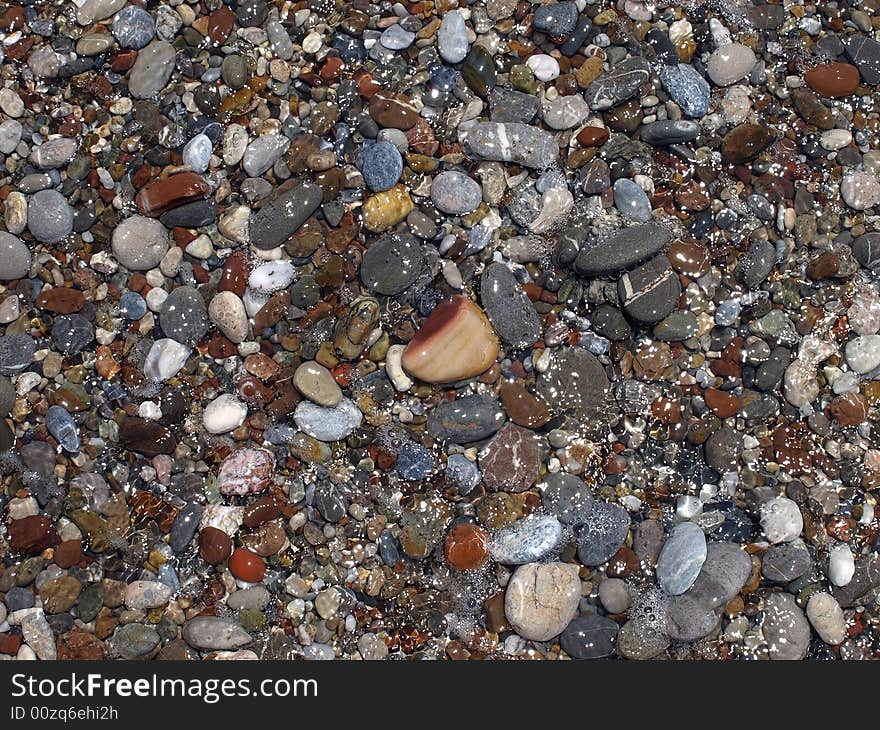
(466, 547)
(61, 300)
(833, 79)
(171, 192)
(32, 534)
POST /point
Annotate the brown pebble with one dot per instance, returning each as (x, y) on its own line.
(215, 546)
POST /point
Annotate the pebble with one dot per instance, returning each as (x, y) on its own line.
(452, 38)
(863, 353)
(511, 313)
(527, 540)
(165, 359)
(681, 558)
(283, 215)
(140, 243)
(465, 420)
(328, 424)
(730, 63)
(687, 87)
(621, 250)
(785, 628)
(316, 383)
(224, 414)
(261, 154)
(381, 165)
(183, 316)
(590, 636)
(455, 193)
(860, 190)
(50, 217)
(781, 520)
(151, 70)
(631, 201)
(602, 533)
(522, 144)
(541, 599)
(392, 264)
(618, 84)
(212, 633)
(565, 112)
(826, 616)
(15, 257)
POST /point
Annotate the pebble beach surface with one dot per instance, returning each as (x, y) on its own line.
(439, 330)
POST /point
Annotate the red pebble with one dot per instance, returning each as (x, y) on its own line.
(247, 566)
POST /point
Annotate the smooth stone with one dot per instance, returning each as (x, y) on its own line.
(147, 594)
(522, 144)
(667, 132)
(316, 383)
(565, 112)
(184, 527)
(631, 201)
(575, 382)
(724, 573)
(687, 88)
(541, 599)
(255, 597)
(261, 154)
(282, 216)
(641, 641)
(246, 471)
(501, 472)
(864, 52)
(833, 80)
(786, 562)
(866, 249)
(621, 249)
(527, 540)
(133, 27)
(478, 70)
(381, 165)
(860, 190)
(688, 618)
(463, 472)
(392, 264)
(455, 342)
(755, 266)
(602, 534)
(455, 193)
(567, 498)
(558, 19)
(165, 359)
(543, 66)
(227, 311)
(54, 153)
(509, 309)
(62, 426)
(620, 83)
(151, 70)
(614, 593)
(212, 633)
(140, 243)
(785, 628)
(464, 420)
(395, 38)
(841, 565)
(328, 424)
(509, 105)
(730, 63)
(590, 637)
(681, 558)
(271, 276)
(197, 153)
(135, 641)
(71, 333)
(826, 616)
(452, 38)
(781, 520)
(676, 327)
(745, 142)
(10, 136)
(224, 414)
(863, 353)
(183, 316)
(15, 257)
(651, 291)
(50, 217)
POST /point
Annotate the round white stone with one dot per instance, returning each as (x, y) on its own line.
(224, 414)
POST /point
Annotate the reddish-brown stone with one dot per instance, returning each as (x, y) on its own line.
(722, 404)
(833, 79)
(393, 111)
(61, 300)
(10, 644)
(215, 546)
(466, 547)
(68, 553)
(32, 534)
(745, 142)
(171, 192)
(236, 270)
(849, 409)
(263, 510)
(593, 136)
(511, 461)
(523, 408)
(146, 437)
(79, 645)
(220, 24)
(246, 565)
(688, 257)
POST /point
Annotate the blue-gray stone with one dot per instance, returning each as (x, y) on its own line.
(50, 217)
(17, 598)
(15, 257)
(687, 88)
(472, 418)
(213, 633)
(184, 526)
(621, 249)
(414, 461)
(392, 264)
(133, 27)
(727, 313)
(381, 165)
(589, 637)
(283, 215)
(16, 353)
(558, 19)
(136, 641)
(396, 38)
(509, 105)
(327, 424)
(511, 312)
(184, 316)
(668, 131)
(864, 52)
(522, 144)
(602, 534)
(452, 38)
(71, 333)
(526, 540)
(463, 472)
(132, 305)
(62, 426)
(567, 497)
(631, 201)
(681, 558)
(620, 83)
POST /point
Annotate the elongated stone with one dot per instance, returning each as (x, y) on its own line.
(282, 216)
(527, 540)
(621, 249)
(618, 84)
(171, 192)
(455, 342)
(681, 558)
(151, 70)
(511, 142)
(472, 418)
